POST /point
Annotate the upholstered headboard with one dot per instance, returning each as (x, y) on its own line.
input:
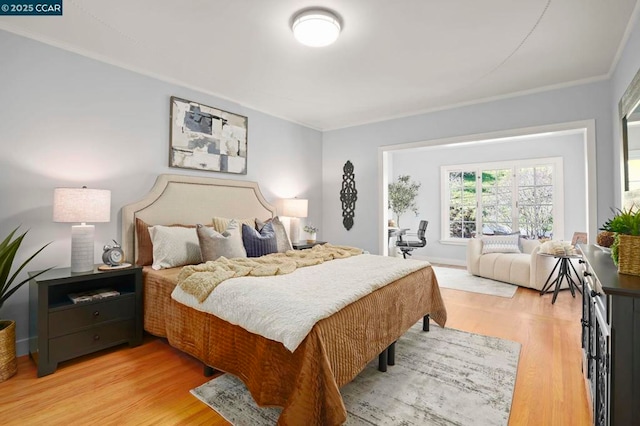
(190, 200)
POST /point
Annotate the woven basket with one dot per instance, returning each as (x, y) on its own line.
(8, 361)
(629, 254)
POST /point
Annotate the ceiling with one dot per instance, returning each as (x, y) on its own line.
(393, 58)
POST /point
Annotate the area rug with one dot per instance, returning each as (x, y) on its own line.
(442, 377)
(460, 279)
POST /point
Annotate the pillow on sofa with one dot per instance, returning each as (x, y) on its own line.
(501, 243)
(259, 243)
(214, 244)
(174, 246)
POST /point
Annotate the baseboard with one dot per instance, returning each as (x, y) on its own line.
(22, 347)
(441, 260)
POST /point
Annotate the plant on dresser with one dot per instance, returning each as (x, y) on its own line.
(625, 250)
(8, 249)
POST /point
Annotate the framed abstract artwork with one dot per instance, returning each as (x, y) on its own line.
(206, 138)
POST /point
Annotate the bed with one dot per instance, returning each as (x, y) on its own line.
(305, 382)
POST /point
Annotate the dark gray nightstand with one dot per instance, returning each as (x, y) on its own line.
(304, 245)
(60, 330)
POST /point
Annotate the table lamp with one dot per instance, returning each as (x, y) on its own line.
(81, 205)
(295, 208)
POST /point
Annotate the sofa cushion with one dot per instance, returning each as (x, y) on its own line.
(511, 268)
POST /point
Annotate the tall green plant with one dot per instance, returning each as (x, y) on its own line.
(626, 222)
(402, 196)
(8, 250)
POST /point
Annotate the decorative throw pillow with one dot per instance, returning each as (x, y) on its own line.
(501, 243)
(145, 246)
(221, 224)
(174, 246)
(282, 239)
(259, 243)
(214, 244)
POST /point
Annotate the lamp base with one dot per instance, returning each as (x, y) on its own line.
(82, 248)
(294, 229)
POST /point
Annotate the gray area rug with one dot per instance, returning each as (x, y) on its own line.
(442, 377)
(460, 279)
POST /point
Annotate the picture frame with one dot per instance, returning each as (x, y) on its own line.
(202, 137)
(579, 238)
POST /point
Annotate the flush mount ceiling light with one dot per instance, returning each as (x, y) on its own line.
(316, 27)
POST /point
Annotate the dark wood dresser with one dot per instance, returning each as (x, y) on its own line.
(60, 329)
(610, 339)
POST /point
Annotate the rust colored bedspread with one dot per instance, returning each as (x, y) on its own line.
(306, 382)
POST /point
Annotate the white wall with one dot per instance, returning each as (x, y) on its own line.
(423, 165)
(360, 145)
(66, 120)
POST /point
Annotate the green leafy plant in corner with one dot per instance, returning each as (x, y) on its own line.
(624, 221)
(8, 249)
(402, 196)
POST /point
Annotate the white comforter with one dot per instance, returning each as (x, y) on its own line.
(285, 308)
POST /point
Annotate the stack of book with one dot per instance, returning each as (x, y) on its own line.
(91, 295)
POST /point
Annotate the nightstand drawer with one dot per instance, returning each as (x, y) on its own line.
(80, 316)
(91, 340)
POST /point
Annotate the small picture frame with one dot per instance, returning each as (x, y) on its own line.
(206, 138)
(579, 238)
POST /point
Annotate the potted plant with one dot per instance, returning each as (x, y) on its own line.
(8, 250)
(625, 250)
(311, 233)
(402, 196)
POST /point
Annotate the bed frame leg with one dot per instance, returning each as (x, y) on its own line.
(382, 361)
(209, 371)
(425, 323)
(391, 354)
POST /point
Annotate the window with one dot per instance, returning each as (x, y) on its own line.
(501, 198)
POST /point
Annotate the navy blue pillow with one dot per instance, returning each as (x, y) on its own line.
(259, 243)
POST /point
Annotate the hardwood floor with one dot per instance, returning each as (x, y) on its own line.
(150, 384)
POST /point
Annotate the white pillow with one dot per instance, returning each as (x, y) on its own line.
(214, 244)
(501, 243)
(174, 246)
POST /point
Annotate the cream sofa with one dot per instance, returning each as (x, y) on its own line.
(527, 269)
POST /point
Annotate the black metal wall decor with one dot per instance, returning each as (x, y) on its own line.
(348, 195)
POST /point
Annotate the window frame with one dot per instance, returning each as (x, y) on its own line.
(478, 168)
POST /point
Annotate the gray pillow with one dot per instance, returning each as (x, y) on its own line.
(259, 243)
(214, 244)
(282, 239)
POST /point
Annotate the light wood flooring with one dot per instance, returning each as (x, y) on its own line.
(150, 384)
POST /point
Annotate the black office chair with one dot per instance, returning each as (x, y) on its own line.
(406, 247)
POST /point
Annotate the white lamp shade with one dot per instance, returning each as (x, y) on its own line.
(81, 205)
(295, 207)
(316, 28)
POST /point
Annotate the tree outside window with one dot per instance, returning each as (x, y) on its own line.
(500, 199)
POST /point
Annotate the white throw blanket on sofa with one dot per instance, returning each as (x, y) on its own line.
(285, 308)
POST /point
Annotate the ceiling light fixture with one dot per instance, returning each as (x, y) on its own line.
(316, 27)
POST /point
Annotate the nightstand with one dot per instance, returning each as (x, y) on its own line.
(60, 330)
(304, 245)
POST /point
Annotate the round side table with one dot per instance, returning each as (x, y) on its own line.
(564, 267)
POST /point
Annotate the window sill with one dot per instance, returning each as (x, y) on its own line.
(456, 242)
